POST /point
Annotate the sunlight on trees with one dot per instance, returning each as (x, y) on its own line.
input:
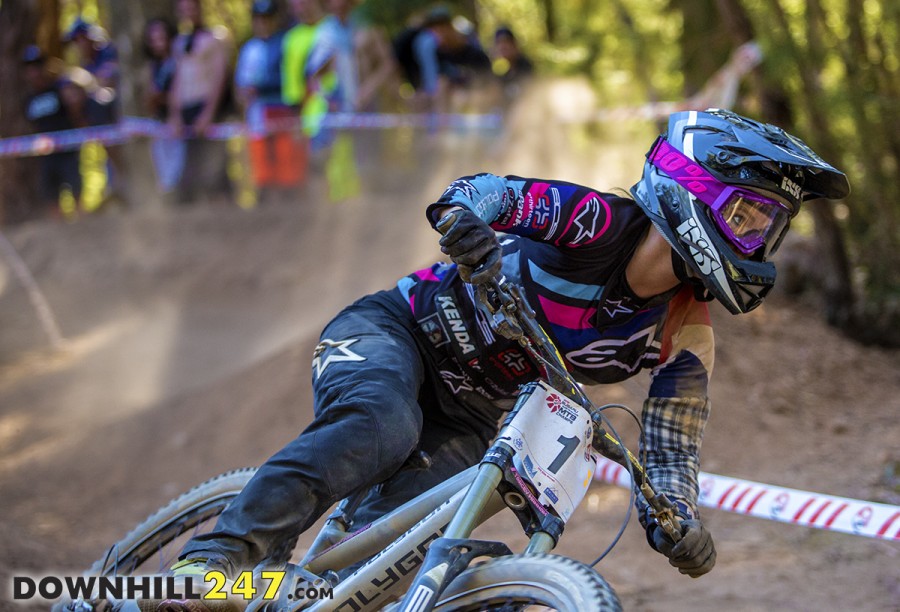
(831, 74)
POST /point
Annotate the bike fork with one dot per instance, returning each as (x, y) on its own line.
(451, 554)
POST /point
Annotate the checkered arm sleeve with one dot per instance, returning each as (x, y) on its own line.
(673, 431)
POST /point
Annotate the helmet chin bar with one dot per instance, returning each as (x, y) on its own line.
(683, 273)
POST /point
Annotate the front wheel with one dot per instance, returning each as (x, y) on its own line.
(522, 582)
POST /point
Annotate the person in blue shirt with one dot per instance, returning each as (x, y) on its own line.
(277, 154)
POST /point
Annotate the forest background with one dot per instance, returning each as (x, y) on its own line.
(830, 74)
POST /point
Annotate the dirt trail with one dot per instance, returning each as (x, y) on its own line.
(190, 334)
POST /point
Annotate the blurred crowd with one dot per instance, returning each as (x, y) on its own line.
(304, 60)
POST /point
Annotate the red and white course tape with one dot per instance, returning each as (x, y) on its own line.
(764, 501)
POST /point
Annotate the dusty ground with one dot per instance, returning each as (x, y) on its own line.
(189, 340)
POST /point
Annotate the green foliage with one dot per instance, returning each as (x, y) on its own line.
(837, 61)
(393, 15)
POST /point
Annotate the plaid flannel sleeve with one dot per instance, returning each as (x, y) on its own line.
(673, 431)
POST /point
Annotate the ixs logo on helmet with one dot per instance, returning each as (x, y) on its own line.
(791, 187)
(700, 246)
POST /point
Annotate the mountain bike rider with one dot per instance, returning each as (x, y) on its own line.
(620, 286)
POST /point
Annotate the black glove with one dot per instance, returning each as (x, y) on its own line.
(693, 555)
(471, 244)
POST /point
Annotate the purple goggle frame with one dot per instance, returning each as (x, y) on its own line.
(719, 197)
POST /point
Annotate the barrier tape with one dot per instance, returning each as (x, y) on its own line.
(864, 518)
(133, 127)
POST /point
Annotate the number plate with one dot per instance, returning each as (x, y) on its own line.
(551, 436)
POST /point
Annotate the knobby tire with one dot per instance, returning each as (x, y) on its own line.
(518, 582)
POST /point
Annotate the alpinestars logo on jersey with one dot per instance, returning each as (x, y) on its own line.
(586, 222)
(627, 354)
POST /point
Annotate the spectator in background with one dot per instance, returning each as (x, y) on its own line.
(98, 57)
(54, 104)
(159, 34)
(511, 66)
(277, 157)
(301, 85)
(168, 153)
(197, 100)
(362, 58)
(376, 64)
(336, 45)
(438, 60)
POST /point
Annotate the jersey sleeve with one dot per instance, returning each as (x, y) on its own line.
(677, 409)
(564, 214)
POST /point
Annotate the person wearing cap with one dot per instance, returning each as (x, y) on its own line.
(98, 57)
(96, 53)
(277, 151)
(53, 104)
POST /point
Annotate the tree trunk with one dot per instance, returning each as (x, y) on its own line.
(549, 20)
(704, 47)
(18, 22)
(772, 100)
(838, 290)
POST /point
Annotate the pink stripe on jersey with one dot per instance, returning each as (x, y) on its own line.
(427, 274)
(570, 317)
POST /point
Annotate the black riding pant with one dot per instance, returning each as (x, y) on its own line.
(377, 399)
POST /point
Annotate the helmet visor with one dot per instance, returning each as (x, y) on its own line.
(746, 218)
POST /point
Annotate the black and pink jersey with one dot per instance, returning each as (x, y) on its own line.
(567, 246)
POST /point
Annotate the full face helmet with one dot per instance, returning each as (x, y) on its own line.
(722, 189)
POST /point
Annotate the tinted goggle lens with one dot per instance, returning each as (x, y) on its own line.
(750, 220)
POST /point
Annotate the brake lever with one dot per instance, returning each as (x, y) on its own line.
(500, 306)
(663, 512)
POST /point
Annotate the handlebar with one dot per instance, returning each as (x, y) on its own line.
(511, 316)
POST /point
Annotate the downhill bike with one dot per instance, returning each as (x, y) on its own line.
(421, 555)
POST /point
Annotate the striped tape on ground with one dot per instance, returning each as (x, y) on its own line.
(132, 127)
(865, 518)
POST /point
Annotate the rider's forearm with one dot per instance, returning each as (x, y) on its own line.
(483, 194)
(673, 431)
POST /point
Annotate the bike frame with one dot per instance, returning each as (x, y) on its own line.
(425, 542)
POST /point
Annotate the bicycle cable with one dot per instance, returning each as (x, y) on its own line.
(632, 497)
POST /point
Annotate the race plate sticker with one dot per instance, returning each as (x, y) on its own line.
(551, 436)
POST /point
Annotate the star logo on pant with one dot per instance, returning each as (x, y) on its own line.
(330, 351)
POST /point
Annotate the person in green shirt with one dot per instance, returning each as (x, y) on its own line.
(301, 84)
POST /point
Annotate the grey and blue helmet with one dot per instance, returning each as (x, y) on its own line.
(722, 190)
